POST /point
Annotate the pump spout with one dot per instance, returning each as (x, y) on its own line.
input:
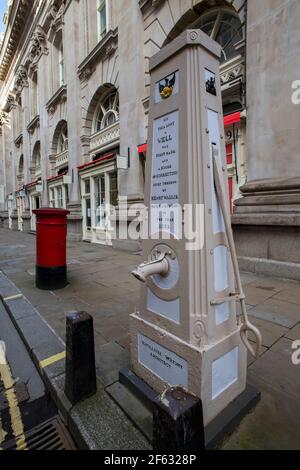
(158, 266)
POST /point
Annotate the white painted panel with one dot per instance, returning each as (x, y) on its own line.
(164, 363)
(222, 313)
(224, 372)
(168, 309)
(168, 282)
(214, 138)
(221, 268)
(165, 173)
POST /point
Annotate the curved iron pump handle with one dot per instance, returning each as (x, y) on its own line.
(246, 326)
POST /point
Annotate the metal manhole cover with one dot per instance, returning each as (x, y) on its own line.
(51, 435)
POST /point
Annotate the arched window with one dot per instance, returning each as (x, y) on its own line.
(21, 165)
(36, 160)
(107, 112)
(20, 175)
(62, 144)
(225, 27)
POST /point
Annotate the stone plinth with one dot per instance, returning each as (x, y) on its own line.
(14, 221)
(4, 219)
(26, 221)
(75, 222)
(266, 223)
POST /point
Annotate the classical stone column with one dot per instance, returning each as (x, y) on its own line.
(71, 48)
(132, 128)
(43, 85)
(266, 219)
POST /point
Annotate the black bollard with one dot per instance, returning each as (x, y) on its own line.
(178, 422)
(80, 357)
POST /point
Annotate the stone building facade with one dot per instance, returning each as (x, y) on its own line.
(74, 99)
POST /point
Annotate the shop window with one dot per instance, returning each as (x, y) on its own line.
(100, 208)
(87, 186)
(58, 196)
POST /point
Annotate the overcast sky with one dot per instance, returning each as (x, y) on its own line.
(3, 6)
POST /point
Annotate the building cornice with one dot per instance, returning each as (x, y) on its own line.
(104, 49)
(18, 16)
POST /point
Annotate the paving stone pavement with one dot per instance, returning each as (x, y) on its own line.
(100, 283)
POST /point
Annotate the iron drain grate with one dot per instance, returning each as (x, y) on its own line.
(51, 435)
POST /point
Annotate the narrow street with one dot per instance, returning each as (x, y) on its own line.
(28, 417)
(100, 283)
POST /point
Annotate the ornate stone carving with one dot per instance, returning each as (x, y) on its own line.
(33, 124)
(85, 74)
(19, 141)
(4, 118)
(21, 80)
(57, 21)
(105, 136)
(232, 71)
(38, 46)
(10, 102)
(61, 159)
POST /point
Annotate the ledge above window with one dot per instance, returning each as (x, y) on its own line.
(19, 141)
(145, 5)
(104, 49)
(59, 97)
(34, 123)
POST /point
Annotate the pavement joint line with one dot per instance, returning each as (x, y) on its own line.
(52, 359)
(13, 297)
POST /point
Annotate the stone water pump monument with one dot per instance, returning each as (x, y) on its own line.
(185, 330)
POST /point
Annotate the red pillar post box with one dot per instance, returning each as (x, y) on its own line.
(51, 259)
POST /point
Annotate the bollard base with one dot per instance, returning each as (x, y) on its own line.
(178, 422)
(53, 278)
(81, 382)
(218, 429)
